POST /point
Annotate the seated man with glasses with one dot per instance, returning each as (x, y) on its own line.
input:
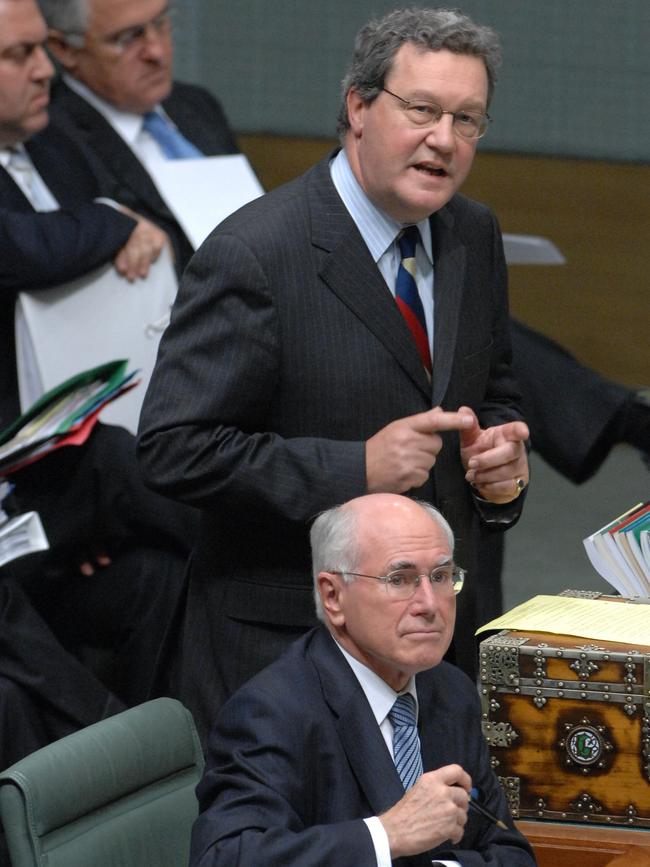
(117, 96)
(359, 746)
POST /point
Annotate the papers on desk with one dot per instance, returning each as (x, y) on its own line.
(202, 192)
(597, 619)
(65, 415)
(620, 551)
(88, 322)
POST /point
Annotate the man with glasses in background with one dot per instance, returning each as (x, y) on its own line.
(360, 746)
(344, 334)
(118, 97)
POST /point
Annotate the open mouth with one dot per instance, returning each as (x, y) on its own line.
(434, 171)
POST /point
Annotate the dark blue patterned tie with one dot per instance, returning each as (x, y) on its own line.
(406, 743)
(408, 297)
(173, 143)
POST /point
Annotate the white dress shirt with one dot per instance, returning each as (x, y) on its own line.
(381, 698)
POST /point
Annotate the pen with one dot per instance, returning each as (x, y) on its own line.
(479, 808)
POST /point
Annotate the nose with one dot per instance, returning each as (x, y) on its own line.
(441, 136)
(43, 67)
(153, 41)
(425, 599)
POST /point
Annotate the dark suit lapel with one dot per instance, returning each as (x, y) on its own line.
(449, 263)
(349, 271)
(357, 728)
(100, 137)
(12, 197)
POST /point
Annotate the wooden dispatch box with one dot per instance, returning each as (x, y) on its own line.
(567, 721)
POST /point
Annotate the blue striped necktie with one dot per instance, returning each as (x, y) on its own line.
(408, 297)
(172, 142)
(406, 743)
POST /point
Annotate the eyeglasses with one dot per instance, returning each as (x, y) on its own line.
(420, 112)
(402, 583)
(132, 38)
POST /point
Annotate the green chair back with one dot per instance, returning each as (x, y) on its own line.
(119, 793)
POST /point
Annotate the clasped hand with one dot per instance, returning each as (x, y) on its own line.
(400, 456)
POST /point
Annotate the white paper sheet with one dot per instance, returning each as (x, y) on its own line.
(89, 321)
(531, 250)
(202, 192)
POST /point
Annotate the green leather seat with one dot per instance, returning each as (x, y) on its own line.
(119, 793)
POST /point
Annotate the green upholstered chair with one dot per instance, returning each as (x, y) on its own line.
(119, 793)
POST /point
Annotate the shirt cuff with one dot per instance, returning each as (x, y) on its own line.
(379, 841)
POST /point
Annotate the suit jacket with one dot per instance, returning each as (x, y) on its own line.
(196, 113)
(285, 353)
(297, 761)
(570, 409)
(40, 250)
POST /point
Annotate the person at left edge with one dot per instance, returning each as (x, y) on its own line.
(117, 58)
(308, 765)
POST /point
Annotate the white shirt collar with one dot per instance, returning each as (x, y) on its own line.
(377, 228)
(126, 123)
(5, 156)
(381, 697)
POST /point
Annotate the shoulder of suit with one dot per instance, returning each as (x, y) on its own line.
(461, 205)
(448, 682)
(273, 214)
(189, 93)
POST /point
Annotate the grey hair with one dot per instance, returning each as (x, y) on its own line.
(379, 40)
(68, 16)
(335, 543)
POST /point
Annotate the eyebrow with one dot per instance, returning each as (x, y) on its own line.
(117, 33)
(26, 46)
(409, 564)
(425, 96)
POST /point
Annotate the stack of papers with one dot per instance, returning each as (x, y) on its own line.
(65, 415)
(597, 619)
(620, 551)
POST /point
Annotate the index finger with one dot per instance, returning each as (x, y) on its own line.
(455, 775)
(437, 419)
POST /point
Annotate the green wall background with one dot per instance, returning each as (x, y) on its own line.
(575, 79)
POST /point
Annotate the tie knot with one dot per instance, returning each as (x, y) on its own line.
(402, 712)
(407, 241)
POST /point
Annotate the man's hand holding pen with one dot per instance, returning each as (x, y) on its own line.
(432, 811)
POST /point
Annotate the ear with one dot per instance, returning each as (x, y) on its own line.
(61, 49)
(356, 107)
(330, 589)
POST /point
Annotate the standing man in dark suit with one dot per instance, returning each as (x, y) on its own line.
(289, 379)
(117, 60)
(359, 747)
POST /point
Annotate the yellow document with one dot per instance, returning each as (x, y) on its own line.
(599, 619)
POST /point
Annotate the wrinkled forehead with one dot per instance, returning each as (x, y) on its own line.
(399, 533)
(111, 16)
(20, 21)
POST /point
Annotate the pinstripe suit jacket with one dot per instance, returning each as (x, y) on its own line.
(285, 352)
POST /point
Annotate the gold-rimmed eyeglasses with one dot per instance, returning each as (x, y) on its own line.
(421, 112)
